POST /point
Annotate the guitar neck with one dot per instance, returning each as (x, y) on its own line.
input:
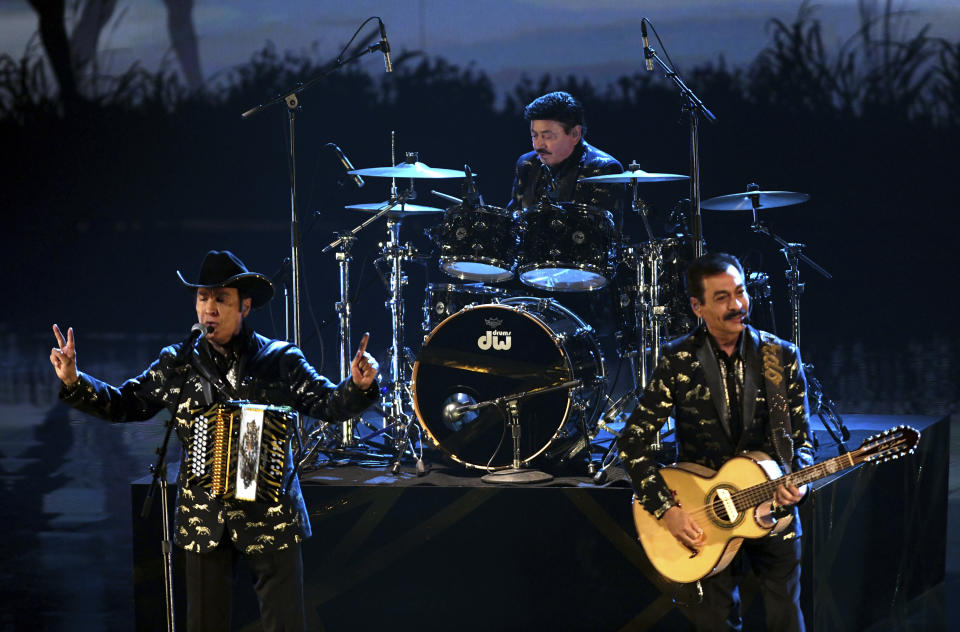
(753, 496)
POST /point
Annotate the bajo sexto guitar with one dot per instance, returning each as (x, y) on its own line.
(726, 503)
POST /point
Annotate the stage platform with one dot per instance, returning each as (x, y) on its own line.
(446, 551)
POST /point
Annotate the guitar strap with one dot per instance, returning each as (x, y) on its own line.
(776, 384)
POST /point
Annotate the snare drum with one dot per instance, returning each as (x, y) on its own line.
(488, 351)
(478, 243)
(446, 299)
(567, 247)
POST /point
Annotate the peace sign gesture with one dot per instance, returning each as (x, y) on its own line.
(64, 357)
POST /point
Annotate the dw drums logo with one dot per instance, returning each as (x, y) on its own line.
(497, 340)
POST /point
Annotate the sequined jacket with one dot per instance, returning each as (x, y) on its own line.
(270, 372)
(687, 384)
(529, 180)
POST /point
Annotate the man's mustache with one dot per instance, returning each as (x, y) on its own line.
(544, 152)
(736, 314)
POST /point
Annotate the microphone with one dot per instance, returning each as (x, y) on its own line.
(196, 331)
(347, 165)
(647, 53)
(385, 47)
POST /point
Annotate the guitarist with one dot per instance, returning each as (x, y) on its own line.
(712, 381)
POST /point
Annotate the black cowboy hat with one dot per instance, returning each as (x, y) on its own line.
(222, 268)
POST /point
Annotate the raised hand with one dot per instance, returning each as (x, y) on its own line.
(64, 357)
(364, 368)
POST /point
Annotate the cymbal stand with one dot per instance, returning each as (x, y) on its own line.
(397, 400)
(344, 243)
(794, 254)
(824, 407)
(650, 315)
(343, 307)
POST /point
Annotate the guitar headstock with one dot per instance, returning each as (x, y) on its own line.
(887, 445)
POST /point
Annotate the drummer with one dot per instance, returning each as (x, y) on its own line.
(560, 157)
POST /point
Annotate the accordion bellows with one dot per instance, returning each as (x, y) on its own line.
(238, 450)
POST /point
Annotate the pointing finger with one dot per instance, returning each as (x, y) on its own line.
(56, 332)
(363, 343)
(70, 342)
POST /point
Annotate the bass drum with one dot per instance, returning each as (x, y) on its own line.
(487, 351)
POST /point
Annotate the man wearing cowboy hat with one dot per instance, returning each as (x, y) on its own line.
(229, 362)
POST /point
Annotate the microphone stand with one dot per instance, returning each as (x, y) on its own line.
(292, 102)
(159, 470)
(693, 107)
(510, 407)
(290, 98)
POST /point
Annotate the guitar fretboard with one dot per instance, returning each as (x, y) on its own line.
(753, 496)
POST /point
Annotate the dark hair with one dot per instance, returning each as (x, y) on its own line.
(557, 106)
(708, 265)
(242, 296)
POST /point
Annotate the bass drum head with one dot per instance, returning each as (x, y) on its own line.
(485, 352)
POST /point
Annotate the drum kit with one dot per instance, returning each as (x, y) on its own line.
(496, 362)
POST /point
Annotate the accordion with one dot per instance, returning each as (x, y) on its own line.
(238, 450)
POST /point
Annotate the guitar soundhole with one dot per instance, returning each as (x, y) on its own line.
(723, 511)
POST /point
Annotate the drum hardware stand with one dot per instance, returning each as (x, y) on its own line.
(159, 471)
(344, 242)
(509, 406)
(398, 400)
(793, 252)
(693, 107)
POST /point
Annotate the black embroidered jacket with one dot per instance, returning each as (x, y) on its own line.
(267, 372)
(530, 179)
(687, 385)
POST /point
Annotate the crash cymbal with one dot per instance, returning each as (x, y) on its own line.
(404, 209)
(639, 175)
(409, 170)
(754, 199)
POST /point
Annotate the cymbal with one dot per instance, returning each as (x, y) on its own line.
(638, 176)
(745, 201)
(404, 209)
(409, 170)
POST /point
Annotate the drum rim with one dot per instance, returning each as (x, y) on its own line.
(463, 286)
(494, 261)
(553, 339)
(586, 267)
(579, 207)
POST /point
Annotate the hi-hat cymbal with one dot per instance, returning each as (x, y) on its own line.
(754, 199)
(404, 209)
(409, 170)
(639, 175)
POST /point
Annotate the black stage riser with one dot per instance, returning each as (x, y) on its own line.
(409, 555)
